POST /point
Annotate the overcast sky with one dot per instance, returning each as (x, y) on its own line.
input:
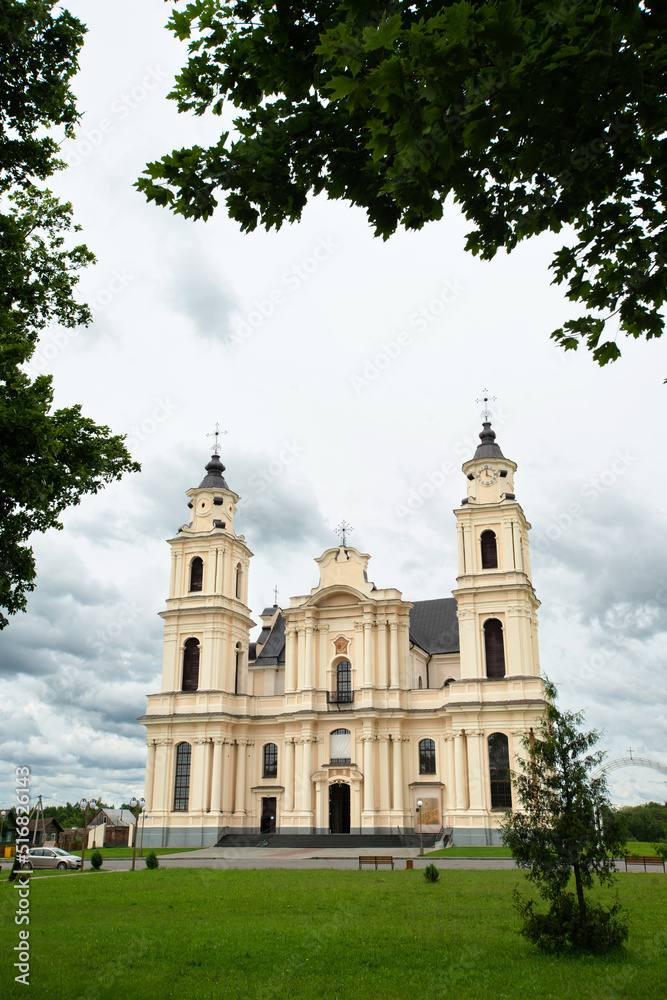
(290, 341)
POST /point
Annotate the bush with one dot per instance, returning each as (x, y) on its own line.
(151, 860)
(661, 850)
(561, 928)
(96, 860)
(431, 873)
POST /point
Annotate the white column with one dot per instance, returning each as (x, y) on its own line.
(216, 780)
(476, 768)
(198, 774)
(450, 779)
(239, 798)
(384, 775)
(289, 775)
(150, 774)
(227, 782)
(162, 785)
(461, 770)
(369, 774)
(307, 771)
(383, 677)
(290, 659)
(298, 775)
(368, 655)
(397, 772)
(394, 654)
(310, 642)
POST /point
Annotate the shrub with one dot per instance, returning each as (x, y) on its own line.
(151, 860)
(96, 860)
(431, 873)
(661, 850)
(561, 928)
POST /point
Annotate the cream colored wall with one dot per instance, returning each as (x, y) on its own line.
(390, 715)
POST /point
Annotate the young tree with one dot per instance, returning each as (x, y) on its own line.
(533, 115)
(49, 458)
(559, 834)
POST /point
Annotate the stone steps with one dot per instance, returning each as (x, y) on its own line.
(308, 841)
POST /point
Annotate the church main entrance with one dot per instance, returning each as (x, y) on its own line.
(339, 808)
(268, 821)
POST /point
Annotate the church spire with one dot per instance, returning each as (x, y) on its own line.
(214, 478)
(488, 448)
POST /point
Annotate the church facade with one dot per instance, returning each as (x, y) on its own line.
(355, 710)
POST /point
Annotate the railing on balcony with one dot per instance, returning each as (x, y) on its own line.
(340, 697)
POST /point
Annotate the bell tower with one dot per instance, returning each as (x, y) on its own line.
(496, 603)
(207, 621)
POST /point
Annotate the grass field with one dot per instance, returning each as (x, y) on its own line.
(633, 847)
(199, 934)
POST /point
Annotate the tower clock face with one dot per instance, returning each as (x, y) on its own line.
(487, 476)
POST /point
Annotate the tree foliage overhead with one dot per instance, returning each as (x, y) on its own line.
(532, 115)
(49, 458)
(564, 830)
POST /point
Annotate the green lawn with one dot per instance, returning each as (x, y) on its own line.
(199, 934)
(504, 852)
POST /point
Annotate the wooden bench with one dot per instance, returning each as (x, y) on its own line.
(641, 859)
(377, 859)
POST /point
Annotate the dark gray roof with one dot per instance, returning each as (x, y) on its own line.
(273, 653)
(488, 448)
(434, 626)
(214, 478)
(269, 611)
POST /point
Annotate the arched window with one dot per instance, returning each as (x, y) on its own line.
(420, 685)
(494, 648)
(270, 766)
(237, 671)
(426, 757)
(182, 782)
(196, 573)
(499, 771)
(489, 550)
(340, 744)
(344, 681)
(239, 580)
(190, 665)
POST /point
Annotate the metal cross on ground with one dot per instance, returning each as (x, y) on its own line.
(216, 433)
(343, 530)
(486, 399)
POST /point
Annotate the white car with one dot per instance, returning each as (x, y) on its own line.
(49, 857)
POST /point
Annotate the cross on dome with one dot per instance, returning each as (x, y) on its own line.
(343, 530)
(216, 433)
(486, 399)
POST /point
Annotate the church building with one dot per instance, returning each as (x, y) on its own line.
(356, 711)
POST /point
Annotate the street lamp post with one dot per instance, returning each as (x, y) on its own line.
(143, 823)
(138, 805)
(3, 816)
(419, 813)
(85, 804)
